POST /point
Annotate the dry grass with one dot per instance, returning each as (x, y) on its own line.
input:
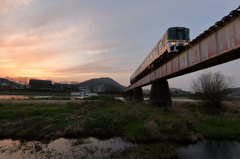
(232, 109)
(184, 121)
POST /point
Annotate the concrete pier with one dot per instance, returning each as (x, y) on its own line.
(129, 94)
(138, 94)
(160, 93)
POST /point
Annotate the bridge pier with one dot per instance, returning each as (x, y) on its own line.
(138, 94)
(160, 93)
(129, 94)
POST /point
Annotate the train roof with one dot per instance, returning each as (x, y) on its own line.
(178, 27)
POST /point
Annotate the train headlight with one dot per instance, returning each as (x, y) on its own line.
(173, 43)
(186, 43)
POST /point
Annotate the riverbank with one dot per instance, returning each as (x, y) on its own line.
(137, 122)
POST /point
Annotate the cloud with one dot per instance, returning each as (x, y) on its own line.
(102, 66)
(97, 52)
(7, 5)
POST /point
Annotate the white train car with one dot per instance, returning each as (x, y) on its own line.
(170, 42)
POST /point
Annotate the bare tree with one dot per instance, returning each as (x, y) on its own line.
(9, 82)
(22, 81)
(212, 88)
(74, 85)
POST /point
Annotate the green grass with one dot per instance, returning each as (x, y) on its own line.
(134, 121)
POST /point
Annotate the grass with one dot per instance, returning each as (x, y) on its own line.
(142, 151)
(137, 122)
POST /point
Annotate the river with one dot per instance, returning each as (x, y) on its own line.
(74, 97)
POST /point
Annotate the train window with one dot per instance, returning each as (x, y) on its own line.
(180, 35)
(160, 44)
(154, 51)
(186, 33)
(172, 33)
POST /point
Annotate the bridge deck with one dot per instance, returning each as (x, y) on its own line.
(217, 45)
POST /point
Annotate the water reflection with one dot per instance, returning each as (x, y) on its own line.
(60, 148)
(37, 97)
(77, 97)
(180, 100)
(185, 100)
(14, 97)
(209, 149)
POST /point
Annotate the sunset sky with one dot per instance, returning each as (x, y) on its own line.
(76, 40)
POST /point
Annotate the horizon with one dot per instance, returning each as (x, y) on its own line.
(77, 41)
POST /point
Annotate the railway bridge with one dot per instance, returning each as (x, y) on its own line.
(216, 45)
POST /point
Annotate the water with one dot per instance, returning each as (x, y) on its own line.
(60, 148)
(95, 148)
(211, 149)
(186, 100)
(14, 97)
(74, 97)
(36, 97)
(180, 100)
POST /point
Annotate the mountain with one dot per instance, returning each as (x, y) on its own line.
(109, 83)
(11, 84)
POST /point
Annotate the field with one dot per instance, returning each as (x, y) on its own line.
(138, 122)
(155, 129)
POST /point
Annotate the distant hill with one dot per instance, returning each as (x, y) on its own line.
(10, 83)
(107, 82)
(235, 91)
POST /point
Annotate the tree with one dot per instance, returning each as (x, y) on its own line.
(22, 81)
(212, 88)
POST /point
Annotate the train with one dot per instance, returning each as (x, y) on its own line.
(172, 40)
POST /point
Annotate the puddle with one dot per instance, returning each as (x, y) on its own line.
(211, 149)
(60, 148)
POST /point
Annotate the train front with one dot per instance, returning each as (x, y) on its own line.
(177, 37)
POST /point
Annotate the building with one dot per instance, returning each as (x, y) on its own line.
(40, 84)
(99, 88)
